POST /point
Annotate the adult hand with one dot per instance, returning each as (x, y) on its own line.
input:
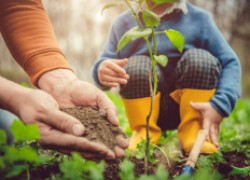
(211, 120)
(58, 130)
(69, 91)
(111, 73)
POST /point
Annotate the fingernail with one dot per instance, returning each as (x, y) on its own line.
(77, 129)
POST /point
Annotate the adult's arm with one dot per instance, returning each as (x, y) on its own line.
(36, 106)
(109, 52)
(29, 36)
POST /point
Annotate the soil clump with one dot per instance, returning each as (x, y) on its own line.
(97, 127)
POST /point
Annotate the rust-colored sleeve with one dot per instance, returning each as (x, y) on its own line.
(29, 35)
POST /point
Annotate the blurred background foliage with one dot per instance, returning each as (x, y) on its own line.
(81, 31)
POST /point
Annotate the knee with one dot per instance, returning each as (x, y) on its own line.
(138, 69)
(198, 69)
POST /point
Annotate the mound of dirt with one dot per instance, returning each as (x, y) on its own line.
(97, 127)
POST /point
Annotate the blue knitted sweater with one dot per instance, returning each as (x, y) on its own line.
(199, 31)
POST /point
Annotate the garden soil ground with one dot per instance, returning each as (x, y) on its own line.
(98, 129)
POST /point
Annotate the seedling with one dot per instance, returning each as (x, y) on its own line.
(18, 157)
(145, 29)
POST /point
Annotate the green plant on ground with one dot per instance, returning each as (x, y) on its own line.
(127, 172)
(140, 151)
(239, 124)
(238, 121)
(75, 167)
(19, 157)
(145, 29)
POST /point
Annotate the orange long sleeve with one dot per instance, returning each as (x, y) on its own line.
(29, 36)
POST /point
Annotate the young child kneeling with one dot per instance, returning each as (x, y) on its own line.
(196, 89)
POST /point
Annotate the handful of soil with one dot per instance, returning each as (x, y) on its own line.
(97, 127)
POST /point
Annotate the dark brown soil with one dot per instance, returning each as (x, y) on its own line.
(236, 159)
(112, 168)
(97, 127)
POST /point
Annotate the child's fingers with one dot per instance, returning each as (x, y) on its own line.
(107, 71)
(118, 69)
(110, 84)
(125, 76)
(114, 79)
(121, 62)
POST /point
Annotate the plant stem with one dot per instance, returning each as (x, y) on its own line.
(154, 40)
(149, 115)
(28, 174)
(134, 13)
(152, 90)
(153, 61)
(152, 94)
(163, 152)
(159, 32)
(146, 160)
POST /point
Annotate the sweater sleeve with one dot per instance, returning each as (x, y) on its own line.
(29, 36)
(229, 87)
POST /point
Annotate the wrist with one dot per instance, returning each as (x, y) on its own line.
(56, 79)
(12, 95)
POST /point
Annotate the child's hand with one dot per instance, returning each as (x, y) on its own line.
(211, 120)
(111, 73)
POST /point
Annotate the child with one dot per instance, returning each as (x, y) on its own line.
(196, 89)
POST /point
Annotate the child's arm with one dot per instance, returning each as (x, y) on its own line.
(111, 73)
(109, 52)
(228, 90)
(110, 57)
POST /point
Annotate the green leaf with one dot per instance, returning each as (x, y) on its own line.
(133, 34)
(2, 163)
(96, 171)
(147, 177)
(161, 59)
(24, 132)
(3, 138)
(16, 170)
(245, 171)
(72, 168)
(150, 18)
(139, 155)
(165, 1)
(26, 154)
(176, 39)
(112, 4)
(204, 162)
(127, 170)
(161, 173)
(184, 177)
(203, 173)
(78, 168)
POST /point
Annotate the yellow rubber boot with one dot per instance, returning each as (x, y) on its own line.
(137, 111)
(191, 119)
